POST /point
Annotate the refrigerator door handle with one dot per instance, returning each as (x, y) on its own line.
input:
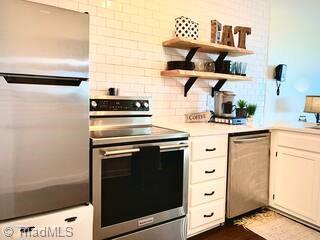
(36, 80)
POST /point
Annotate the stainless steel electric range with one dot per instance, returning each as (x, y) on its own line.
(139, 172)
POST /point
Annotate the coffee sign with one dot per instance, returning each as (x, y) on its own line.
(198, 117)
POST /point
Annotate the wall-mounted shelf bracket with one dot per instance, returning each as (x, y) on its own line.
(195, 46)
(191, 54)
(218, 64)
(191, 80)
(220, 59)
(189, 84)
(218, 86)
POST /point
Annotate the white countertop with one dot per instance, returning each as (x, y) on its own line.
(205, 129)
(297, 127)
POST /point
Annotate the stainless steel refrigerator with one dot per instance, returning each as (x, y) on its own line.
(44, 110)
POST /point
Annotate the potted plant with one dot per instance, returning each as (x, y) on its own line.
(241, 110)
(251, 110)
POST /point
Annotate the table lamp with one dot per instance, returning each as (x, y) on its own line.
(313, 106)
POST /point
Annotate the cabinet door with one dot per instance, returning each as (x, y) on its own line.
(296, 183)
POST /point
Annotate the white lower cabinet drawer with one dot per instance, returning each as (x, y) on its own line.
(208, 147)
(208, 170)
(206, 214)
(207, 192)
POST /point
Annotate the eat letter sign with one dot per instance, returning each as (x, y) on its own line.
(243, 32)
(228, 37)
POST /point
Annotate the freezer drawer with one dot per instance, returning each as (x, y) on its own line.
(248, 173)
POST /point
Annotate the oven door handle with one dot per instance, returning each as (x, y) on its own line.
(135, 150)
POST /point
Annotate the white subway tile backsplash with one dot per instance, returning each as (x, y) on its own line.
(97, 21)
(126, 49)
(84, 7)
(97, 58)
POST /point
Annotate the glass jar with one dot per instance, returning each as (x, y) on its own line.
(209, 67)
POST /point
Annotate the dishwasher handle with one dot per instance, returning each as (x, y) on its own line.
(249, 140)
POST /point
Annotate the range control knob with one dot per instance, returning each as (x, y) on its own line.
(94, 104)
(138, 105)
(146, 104)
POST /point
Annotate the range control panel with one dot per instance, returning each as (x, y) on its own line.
(120, 105)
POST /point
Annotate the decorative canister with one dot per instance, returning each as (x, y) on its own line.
(183, 25)
(194, 30)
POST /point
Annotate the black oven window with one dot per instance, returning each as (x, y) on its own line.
(128, 193)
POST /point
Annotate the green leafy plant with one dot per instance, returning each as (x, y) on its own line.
(242, 104)
(251, 109)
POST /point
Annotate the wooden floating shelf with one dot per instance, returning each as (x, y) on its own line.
(198, 46)
(204, 75)
(184, 43)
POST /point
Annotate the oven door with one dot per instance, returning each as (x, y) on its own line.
(125, 201)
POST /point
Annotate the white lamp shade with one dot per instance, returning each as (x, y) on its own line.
(312, 104)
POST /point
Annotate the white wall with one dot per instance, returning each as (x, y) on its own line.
(294, 40)
(126, 49)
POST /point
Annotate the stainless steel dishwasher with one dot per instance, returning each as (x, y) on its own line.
(248, 173)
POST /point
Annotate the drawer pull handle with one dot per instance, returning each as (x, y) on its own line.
(72, 219)
(210, 172)
(209, 194)
(211, 149)
(208, 216)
